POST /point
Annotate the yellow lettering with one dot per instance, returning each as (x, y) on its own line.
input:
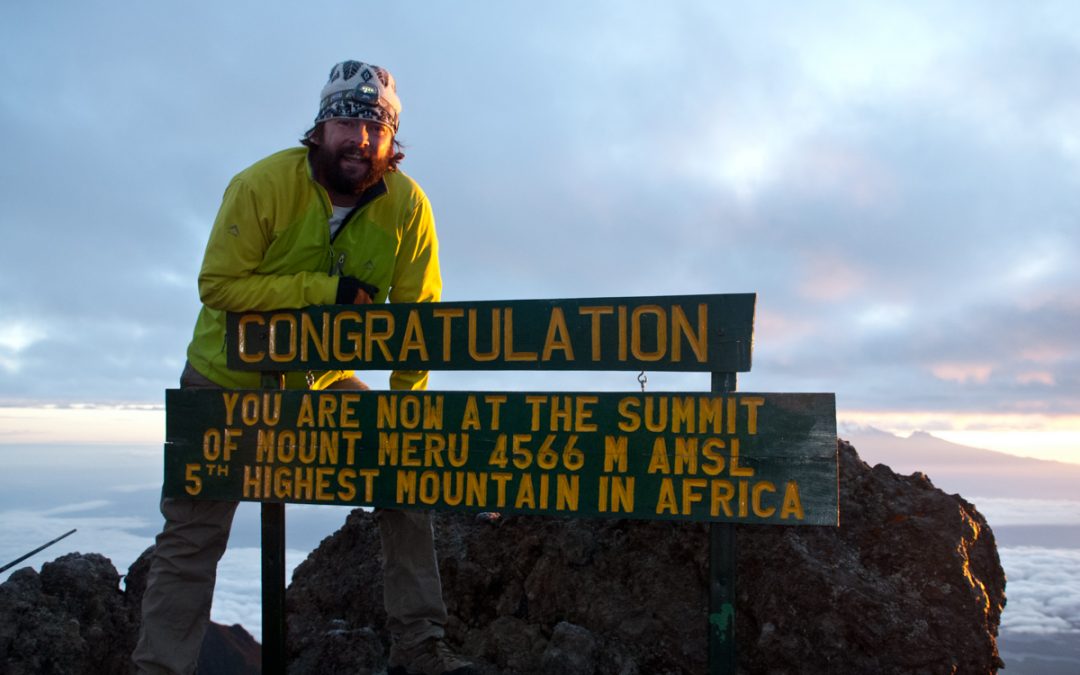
(230, 442)
(345, 479)
(686, 453)
(583, 414)
(630, 418)
(379, 337)
(327, 408)
(406, 487)
(474, 352)
(275, 327)
(710, 415)
(351, 437)
(714, 464)
(306, 416)
(508, 337)
(354, 336)
(526, 496)
(594, 314)
(429, 487)
(471, 418)
(734, 468)
(434, 444)
(388, 449)
(690, 496)
(752, 403)
(410, 448)
(322, 484)
(722, 494)
(558, 337)
(447, 315)
(252, 483)
(369, 476)
(659, 461)
(245, 355)
(386, 413)
(792, 503)
(348, 413)
(230, 399)
(615, 453)
(759, 510)
(264, 446)
(680, 328)
(636, 331)
(666, 503)
(656, 411)
(567, 492)
(318, 336)
(414, 338)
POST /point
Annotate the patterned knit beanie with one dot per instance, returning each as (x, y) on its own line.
(360, 90)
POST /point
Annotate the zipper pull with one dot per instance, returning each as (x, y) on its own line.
(341, 265)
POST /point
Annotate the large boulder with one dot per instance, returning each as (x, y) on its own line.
(74, 619)
(909, 583)
(70, 618)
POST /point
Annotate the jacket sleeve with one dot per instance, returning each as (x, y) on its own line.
(238, 242)
(416, 277)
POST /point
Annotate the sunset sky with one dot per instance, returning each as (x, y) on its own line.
(898, 182)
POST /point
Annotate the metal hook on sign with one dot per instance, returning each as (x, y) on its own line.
(642, 380)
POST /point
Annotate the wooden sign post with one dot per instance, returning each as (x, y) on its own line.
(722, 456)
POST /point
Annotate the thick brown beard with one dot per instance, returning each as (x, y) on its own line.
(327, 168)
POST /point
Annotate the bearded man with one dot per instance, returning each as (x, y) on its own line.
(334, 221)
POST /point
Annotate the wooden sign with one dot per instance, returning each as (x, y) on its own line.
(738, 457)
(702, 333)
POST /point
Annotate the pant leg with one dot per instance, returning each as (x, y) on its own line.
(412, 588)
(183, 570)
(180, 585)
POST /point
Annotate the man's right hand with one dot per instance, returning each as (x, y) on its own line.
(352, 291)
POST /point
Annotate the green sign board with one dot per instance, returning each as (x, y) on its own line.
(737, 457)
(702, 333)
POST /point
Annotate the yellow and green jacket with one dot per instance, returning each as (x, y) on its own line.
(270, 248)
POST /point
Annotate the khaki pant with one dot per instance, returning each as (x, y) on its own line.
(183, 569)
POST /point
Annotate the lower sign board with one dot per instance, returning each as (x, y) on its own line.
(737, 457)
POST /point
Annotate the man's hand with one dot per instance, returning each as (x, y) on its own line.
(352, 291)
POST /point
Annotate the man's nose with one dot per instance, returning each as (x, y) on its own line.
(363, 138)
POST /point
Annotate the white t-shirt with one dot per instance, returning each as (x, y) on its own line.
(336, 220)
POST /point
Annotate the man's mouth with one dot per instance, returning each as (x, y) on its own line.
(354, 157)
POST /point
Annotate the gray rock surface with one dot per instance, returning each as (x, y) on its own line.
(74, 619)
(70, 618)
(909, 583)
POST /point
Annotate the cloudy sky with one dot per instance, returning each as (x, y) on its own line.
(897, 181)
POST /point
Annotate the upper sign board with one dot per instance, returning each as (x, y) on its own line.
(701, 333)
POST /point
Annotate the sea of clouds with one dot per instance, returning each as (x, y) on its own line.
(110, 497)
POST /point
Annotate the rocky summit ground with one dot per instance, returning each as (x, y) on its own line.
(909, 582)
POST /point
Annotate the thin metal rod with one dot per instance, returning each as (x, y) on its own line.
(36, 550)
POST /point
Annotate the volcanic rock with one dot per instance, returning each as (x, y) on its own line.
(910, 582)
(73, 619)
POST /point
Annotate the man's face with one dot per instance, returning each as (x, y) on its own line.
(351, 155)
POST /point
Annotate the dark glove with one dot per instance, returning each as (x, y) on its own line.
(348, 289)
